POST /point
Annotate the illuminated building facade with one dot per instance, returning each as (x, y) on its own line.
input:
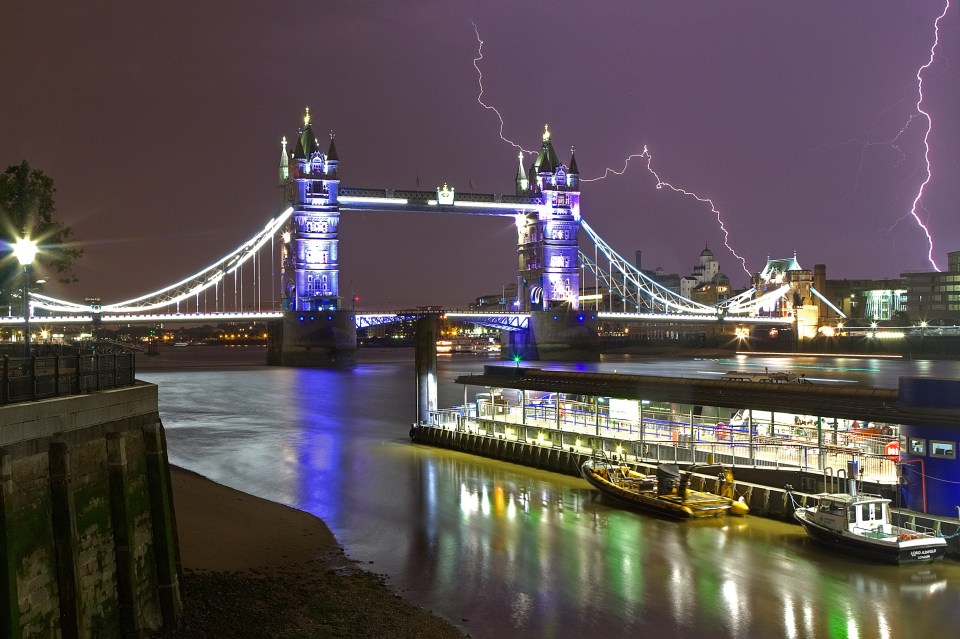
(548, 273)
(309, 181)
(935, 297)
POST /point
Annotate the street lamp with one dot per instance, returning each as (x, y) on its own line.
(26, 250)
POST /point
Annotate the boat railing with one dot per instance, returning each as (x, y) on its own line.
(921, 530)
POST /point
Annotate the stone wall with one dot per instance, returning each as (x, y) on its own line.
(87, 533)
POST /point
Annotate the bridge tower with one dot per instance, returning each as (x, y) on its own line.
(548, 276)
(316, 330)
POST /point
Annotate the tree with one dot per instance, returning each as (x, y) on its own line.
(27, 210)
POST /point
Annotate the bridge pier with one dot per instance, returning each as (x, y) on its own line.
(314, 339)
(557, 334)
(425, 362)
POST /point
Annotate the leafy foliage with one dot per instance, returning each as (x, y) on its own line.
(27, 210)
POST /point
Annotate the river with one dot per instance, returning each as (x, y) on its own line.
(502, 550)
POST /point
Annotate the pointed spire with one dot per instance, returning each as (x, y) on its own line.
(573, 161)
(307, 143)
(547, 161)
(332, 150)
(298, 150)
(284, 171)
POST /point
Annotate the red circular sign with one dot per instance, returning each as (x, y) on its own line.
(892, 450)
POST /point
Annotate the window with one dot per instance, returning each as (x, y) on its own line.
(944, 450)
(918, 446)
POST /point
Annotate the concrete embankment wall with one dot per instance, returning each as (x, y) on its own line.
(87, 534)
(768, 499)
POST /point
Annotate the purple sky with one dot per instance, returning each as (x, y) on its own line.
(161, 123)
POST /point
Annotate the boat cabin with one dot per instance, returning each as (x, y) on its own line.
(862, 513)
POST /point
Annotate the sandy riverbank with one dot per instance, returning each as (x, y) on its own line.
(253, 568)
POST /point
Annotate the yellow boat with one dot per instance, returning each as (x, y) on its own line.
(665, 493)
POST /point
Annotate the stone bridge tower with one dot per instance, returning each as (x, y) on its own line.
(316, 329)
(548, 272)
(308, 182)
(548, 276)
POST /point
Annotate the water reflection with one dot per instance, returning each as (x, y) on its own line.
(515, 550)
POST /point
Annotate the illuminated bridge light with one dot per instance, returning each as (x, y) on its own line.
(351, 199)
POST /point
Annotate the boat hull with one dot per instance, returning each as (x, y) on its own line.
(697, 506)
(889, 552)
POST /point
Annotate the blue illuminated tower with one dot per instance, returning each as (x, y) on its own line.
(309, 181)
(315, 330)
(548, 273)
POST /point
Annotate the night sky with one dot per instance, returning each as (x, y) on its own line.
(161, 124)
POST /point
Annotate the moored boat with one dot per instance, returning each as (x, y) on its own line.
(665, 493)
(862, 524)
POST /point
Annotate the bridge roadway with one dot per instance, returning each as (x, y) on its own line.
(356, 199)
(502, 321)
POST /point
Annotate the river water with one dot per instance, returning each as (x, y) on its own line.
(506, 551)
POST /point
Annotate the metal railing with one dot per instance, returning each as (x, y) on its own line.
(672, 438)
(26, 379)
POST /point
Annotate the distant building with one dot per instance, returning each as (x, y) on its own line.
(493, 302)
(935, 296)
(669, 281)
(868, 300)
(706, 284)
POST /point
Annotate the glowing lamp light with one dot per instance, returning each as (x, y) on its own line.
(25, 251)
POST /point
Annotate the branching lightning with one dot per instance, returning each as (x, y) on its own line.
(476, 66)
(926, 139)
(660, 184)
(713, 207)
(608, 171)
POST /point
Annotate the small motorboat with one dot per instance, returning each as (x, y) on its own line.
(862, 524)
(665, 493)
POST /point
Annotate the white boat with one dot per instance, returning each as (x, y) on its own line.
(862, 524)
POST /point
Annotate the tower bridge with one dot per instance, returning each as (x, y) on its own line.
(296, 286)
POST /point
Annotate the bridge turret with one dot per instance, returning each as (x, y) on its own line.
(523, 184)
(546, 162)
(333, 160)
(284, 170)
(573, 173)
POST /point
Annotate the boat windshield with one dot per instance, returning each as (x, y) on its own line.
(832, 507)
(873, 511)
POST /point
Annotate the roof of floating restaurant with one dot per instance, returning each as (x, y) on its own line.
(825, 400)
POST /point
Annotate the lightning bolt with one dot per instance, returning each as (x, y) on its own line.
(713, 207)
(607, 171)
(926, 140)
(476, 66)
